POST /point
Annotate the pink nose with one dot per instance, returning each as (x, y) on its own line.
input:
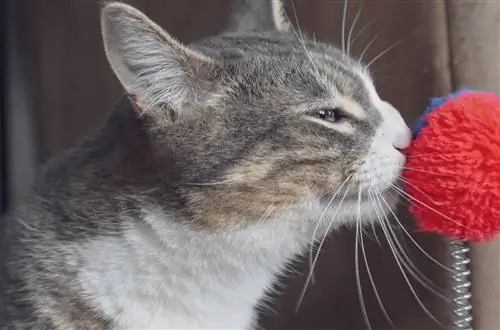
(402, 138)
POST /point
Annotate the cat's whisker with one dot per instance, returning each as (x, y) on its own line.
(429, 207)
(369, 44)
(378, 71)
(313, 236)
(397, 43)
(27, 226)
(408, 264)
(322, 242)
(397, 258)
(194, 188)
(356, 266)
(412, 270)
(301, 39)
(421, 204)
(344, 21)
(410, 183)
(413, 240)
(267, 214)
(320, 219)
(382, 53)
(430, 154)
(372, 236)
(353, 26)
(318, 222)
(363, 29)
(377, 295)
(320, 246)
(374, 231)
(425, 171)
(406, 198)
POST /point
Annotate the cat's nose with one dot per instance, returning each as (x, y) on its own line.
(398, 132)
(402, 138)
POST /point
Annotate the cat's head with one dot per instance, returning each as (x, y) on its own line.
(259, 121)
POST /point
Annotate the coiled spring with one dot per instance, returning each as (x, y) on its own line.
(461, 285)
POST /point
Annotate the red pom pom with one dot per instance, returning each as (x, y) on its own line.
(453, 168)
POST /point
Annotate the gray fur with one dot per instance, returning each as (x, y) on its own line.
(229, 107)
(255, 16)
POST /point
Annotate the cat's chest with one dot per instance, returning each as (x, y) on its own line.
(183, 304)
(219, 308)
(138, 284)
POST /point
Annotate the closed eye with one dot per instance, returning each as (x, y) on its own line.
(332, 115)
(335, 120)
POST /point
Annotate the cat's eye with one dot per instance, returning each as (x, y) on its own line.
(329, 114)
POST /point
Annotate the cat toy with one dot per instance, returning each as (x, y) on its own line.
(452, 176)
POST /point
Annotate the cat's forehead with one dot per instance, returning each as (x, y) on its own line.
(294, 61)
(273, 44)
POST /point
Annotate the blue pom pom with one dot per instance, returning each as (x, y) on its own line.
(421, 122)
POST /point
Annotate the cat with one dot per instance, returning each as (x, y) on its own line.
(223, 162)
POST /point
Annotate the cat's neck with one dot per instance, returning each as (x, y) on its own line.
(174, 274)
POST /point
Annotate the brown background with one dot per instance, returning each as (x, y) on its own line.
(72, 88)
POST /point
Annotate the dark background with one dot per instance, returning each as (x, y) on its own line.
(3, 80)
(57, 86)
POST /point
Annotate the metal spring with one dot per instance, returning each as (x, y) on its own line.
(461, 285)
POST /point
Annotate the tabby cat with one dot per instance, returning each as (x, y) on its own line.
(231, 156)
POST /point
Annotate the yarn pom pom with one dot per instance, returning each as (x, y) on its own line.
(453, 168)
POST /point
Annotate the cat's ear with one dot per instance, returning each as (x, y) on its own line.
(151, 65)
(258, 15)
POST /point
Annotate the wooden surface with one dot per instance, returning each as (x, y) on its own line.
(74, 89)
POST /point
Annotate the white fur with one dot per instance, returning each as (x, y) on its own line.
(393, 129)
(344, 127)
(279, 16)
(384, 162)
(162, 274)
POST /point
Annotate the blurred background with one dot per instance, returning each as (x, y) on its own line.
(57, 86)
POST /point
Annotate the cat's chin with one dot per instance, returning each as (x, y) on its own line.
(372, 208)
